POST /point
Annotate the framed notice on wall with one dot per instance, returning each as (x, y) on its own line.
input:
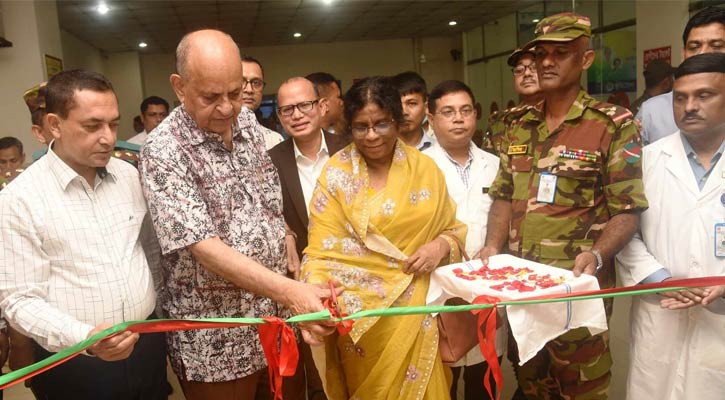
(53, 65)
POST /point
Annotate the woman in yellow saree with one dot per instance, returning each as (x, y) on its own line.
(380, 222)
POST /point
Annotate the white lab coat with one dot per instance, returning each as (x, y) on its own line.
(676, 355)
(472, 206)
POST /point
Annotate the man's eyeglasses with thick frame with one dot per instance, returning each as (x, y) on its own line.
(304, 107)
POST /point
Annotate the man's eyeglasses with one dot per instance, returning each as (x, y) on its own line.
(450, 113)
(521, 69)
(381, 128)
(257, 84)
(304, 107)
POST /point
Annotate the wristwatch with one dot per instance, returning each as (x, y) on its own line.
(598, 255)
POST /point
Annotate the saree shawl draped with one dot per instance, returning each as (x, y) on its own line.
(361, 239)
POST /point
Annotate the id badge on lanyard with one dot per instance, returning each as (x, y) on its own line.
(547, 188)
(720, 239)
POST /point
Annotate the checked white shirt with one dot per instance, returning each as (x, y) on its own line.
(72, 255)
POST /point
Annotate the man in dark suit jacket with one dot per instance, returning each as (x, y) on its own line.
(299, 161)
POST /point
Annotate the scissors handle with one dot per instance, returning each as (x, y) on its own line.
(333, 298)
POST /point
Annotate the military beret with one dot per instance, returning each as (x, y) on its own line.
(563, 27)
(35, 98)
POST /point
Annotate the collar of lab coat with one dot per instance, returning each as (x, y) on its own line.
(678, 165)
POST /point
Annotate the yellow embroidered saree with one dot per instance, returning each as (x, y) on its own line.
(361, 238)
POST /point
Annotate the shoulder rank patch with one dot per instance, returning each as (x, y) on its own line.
(515, 149)
(632, 152)
(617, 114)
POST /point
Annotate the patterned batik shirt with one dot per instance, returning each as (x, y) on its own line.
(198, 189)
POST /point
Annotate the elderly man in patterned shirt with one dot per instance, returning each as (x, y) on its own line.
(216, 202)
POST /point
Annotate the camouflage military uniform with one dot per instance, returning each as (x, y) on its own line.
(128, 152)
(588, 193)
(499, 120)
(7, 177)
(497, 123)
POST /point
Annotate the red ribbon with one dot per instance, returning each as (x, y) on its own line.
(38, 371)
(286, 361)
(487, 343)
(670, 283)
(280, 348)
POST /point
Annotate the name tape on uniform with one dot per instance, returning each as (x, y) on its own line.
(516, 149)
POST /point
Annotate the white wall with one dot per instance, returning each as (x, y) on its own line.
(155, 72)
(351, 60)
(21, 67)
(652, 17)
(439, 65)
(345, 60)
(46, 13)
(79, 54)
(491, 81)
(124, 71)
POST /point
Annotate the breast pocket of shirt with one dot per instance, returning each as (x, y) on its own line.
(129, 226)
(521, 176)
(578, 183)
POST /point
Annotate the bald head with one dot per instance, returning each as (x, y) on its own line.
(298, 82)
(204, 47)
(209, 80)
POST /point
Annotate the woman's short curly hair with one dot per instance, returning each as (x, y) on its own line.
(375, 89)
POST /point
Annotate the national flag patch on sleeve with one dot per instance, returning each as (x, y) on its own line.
(632, 152)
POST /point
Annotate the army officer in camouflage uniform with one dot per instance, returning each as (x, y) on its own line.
(526, 84)
(570, 188)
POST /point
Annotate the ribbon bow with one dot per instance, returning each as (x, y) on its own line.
(487, 343)
(280, 348)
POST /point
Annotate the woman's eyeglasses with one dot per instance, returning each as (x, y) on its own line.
(381, 128)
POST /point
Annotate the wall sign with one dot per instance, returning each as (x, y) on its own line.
(660, 53)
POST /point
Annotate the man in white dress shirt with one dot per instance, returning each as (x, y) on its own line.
(299, 161)
(252, 95)
(153, 110)
(77, 245)
(469, 172)
(677, 337)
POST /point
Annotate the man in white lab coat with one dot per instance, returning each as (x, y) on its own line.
(678, 338)
(469, 172)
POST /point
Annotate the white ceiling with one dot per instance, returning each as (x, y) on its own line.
(161, 23)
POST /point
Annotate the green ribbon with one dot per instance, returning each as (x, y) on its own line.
(19, 375)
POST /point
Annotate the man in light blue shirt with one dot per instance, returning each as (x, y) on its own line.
(656, 118)
(414, 96)
(704, 33)
(700, 171)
